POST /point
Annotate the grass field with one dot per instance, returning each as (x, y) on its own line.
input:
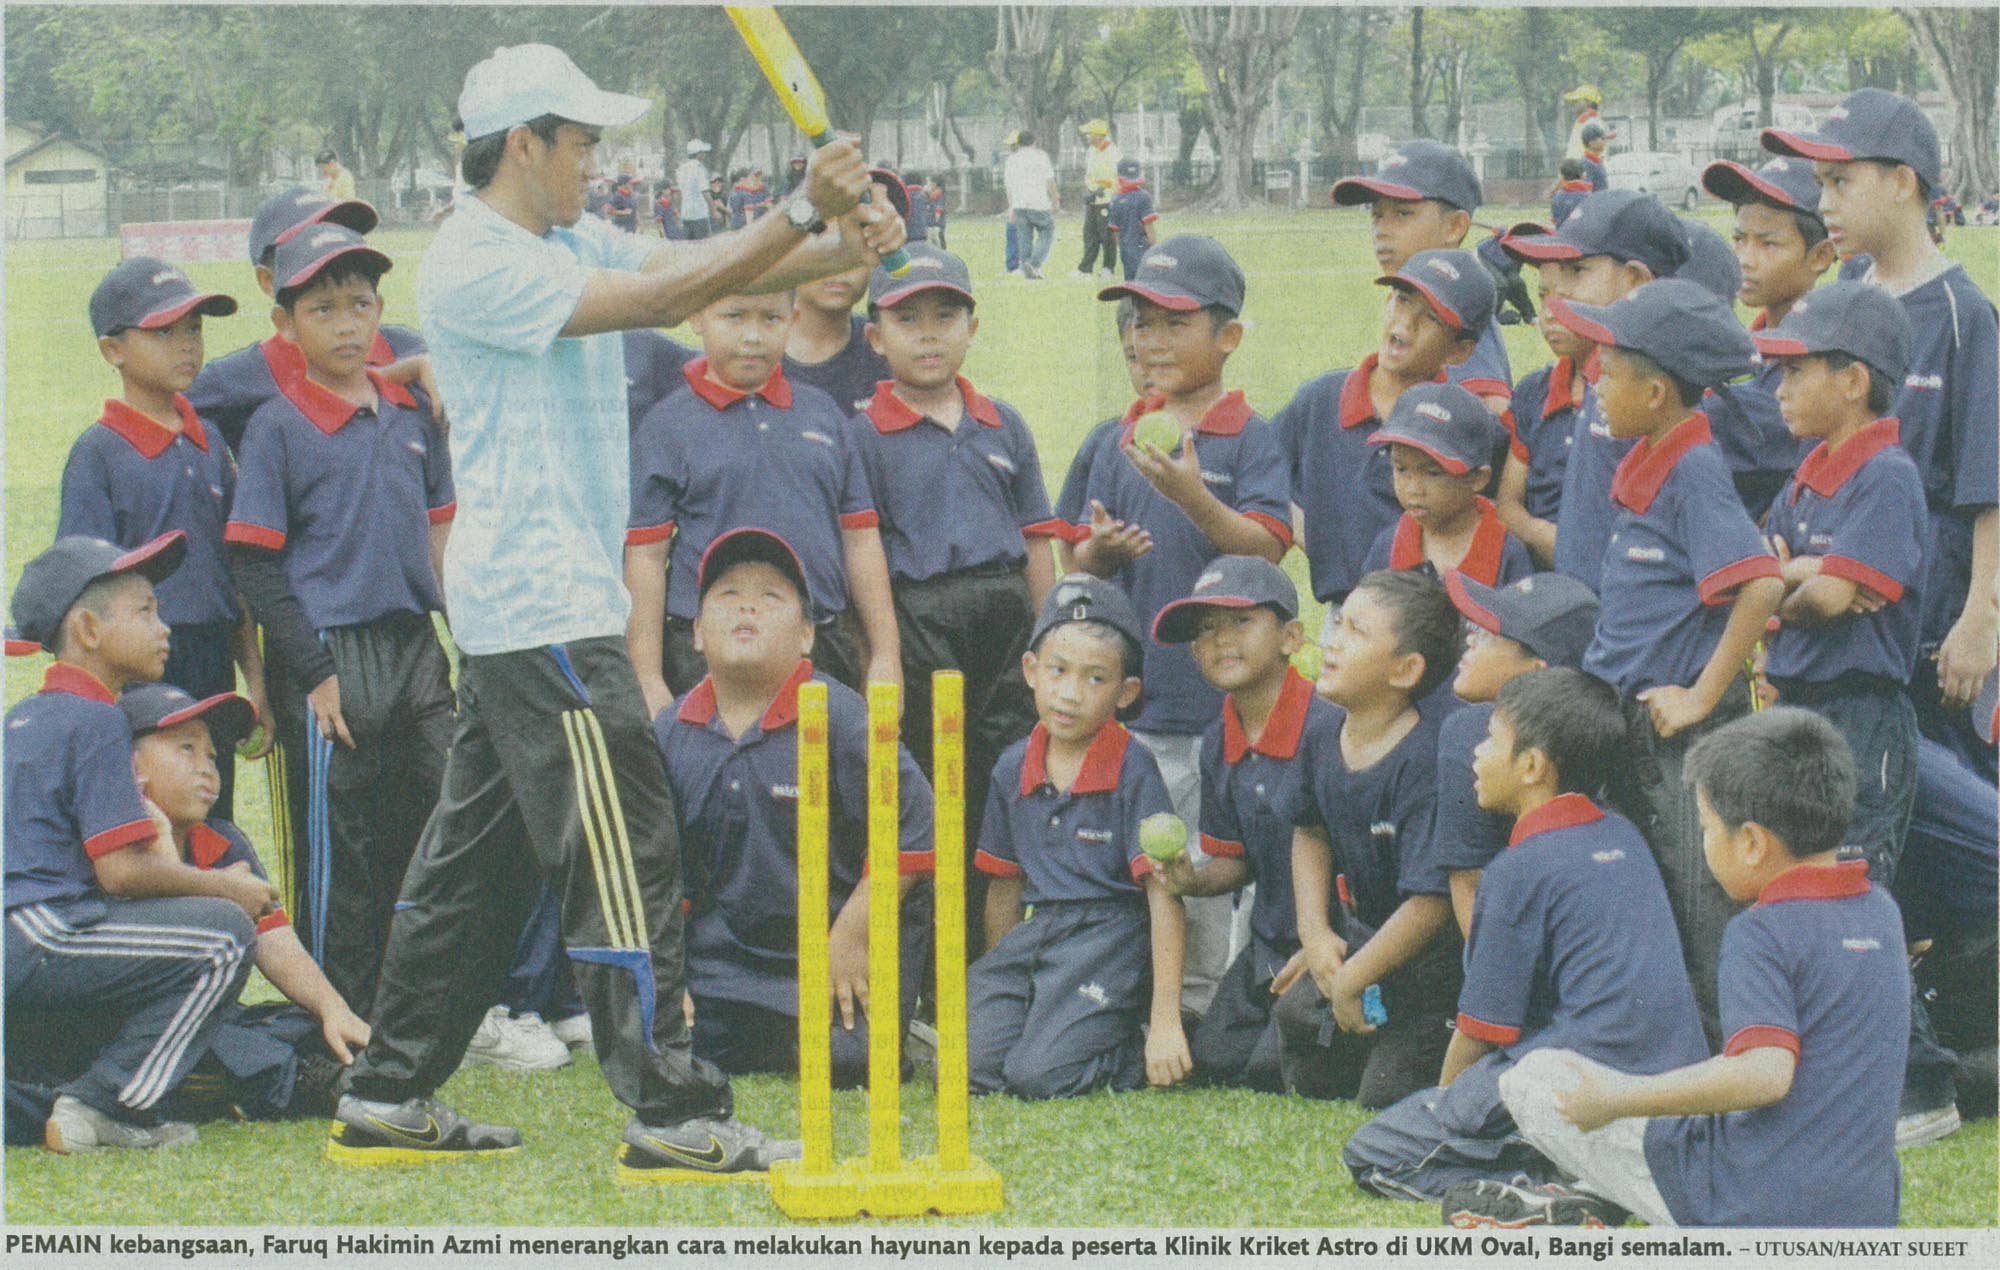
(1171, 1159)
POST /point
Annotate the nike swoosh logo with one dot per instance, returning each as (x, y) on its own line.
(430, 1136)
(712, 1158)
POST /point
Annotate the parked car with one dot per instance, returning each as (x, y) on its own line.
(1668, 177)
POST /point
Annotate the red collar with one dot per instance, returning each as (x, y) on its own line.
(890, 413)
(1280, 738)
(144, 433)
(698, 707)
(328, 411)
(1576, 187)
(287, 364)
(1482, 555)
(1102, 762)
(1593, 366)
(1564, 811)
(1559, 398)
(1224, 419)
(1824, 471)
(206, 847)
(1642, 472)
(777, 389)
(1841, 881)
(1762, 320)
(77, 682)
(1356, 406)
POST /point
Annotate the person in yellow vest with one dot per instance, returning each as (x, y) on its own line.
(335, 179)
(1587, 99)
(1100, 186)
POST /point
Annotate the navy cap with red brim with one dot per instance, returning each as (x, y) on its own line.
(1229, 582)
(155, 707)
(53, 580)
(1777, 183)
(301, 260)
(931, 269)
(1552, 615)
(746, 545)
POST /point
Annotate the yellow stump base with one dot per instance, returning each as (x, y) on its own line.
(920, 1187)
(975, 1188)
(810, 1196)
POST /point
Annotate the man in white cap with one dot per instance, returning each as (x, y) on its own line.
(553, 771)
(691, 178)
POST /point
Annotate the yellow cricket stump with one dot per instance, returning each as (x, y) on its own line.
(883, 1184)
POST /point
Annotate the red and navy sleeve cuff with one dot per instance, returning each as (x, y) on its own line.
(273, 920)
(1141, 868)
(442, 515)
(1762, 1037)
(1491, 1033)
(994, 866)
(1221, 848)
(1052, 528)
(1719, 587)
(1279, 529)
(860, 520)
(1861, 575)
(1484, 388)
(1515, 446)
(920, 863)
(647, 535)
(244, 534)
(131, 834)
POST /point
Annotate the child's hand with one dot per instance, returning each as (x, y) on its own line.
(1168, 1060)
(1177, 476)
(847, 960)
(687, 1008)
(657, 695)
(1587, 1103)
(345, 1032)
(163, 828)
(265, 734)
(1866, 602)
(1346, 1002)
(1112, 544)
(247, 891)
(1673, 709)
(1288, 974)
(884, 670)
(324, 702)
(1325, 955)
(1177, 875)
(1966, 657)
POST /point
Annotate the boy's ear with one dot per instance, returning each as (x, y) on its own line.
(1637, 273)
(1457, 224)
(1407, 671)
(873, 336)
(1479, 477)
(112, 349)
(1029, 668)
(972, 324)
(1292, 638)
(281, 321)
(807, 633)
(1535, 767)
(1758, 845)
(267, 281)
(1822, 256)
(1230, 337)
(1459, 351)
(1128, 692)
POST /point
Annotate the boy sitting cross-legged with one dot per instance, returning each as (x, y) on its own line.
(1441, 442)
(1241, 623)
(1793, 1124)
(1081, 989)
(1572, 945)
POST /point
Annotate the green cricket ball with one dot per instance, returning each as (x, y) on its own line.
(1163, 837)
(1158, 429)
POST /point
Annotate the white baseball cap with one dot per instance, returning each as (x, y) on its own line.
(698, 146)
(527, 81)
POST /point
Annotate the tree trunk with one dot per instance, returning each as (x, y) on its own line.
(1033, 68)
(1418, 123)
(1962, 48)
(1764, 65)
(1242, 51)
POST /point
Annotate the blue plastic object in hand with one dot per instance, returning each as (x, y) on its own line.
(1372, 1012)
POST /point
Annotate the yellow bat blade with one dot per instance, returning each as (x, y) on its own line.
(764, 32)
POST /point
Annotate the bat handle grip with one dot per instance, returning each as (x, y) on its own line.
(896, 262)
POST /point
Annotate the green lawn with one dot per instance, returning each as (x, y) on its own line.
(1139, 1160)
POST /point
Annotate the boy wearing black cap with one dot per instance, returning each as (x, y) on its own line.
(1441, 442)
(1540, 621)
(1687, 583)
(340, 521)
(1081, 990)
(1151, 511)
(1877, 161)
(1595, 136)
(79, 831)
(151, 466)
(1343, 488)
(828, 347)
(965, 518)
(1241, 623)
(1573, 946)
(1132, 217)
(1423, 198)
(732, 759)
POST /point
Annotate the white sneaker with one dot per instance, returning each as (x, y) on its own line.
(516, 1043)
(75, 1128)
(1013, 273)
(574, 1031)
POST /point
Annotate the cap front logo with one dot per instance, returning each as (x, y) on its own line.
(1432, 410)
(305, 200)
(1444, 267)
(1213, 578)
(1158, 261)
(1574, 212)
(1395, 160)
(164, 276)
(1838, 112)
(327, 237)
(925, 262)
(1525, 586)
(1777, 165)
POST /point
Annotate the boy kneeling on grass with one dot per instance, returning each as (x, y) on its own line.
(1794, 1123)
(1057, 1004)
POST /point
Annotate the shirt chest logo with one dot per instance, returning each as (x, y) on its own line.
(818, 438)
(1819, 540)
(1612, 856)
(1094, 835)
(789, 793)
(1863, 944)
(1002, 462)
(1217, 478)
(1647, 555)
(1383, 829)
(1933, 382)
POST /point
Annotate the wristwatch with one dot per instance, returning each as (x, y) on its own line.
(801, 215)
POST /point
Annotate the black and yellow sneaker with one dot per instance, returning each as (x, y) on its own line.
(1499, 1205)
(707, 1149)
(421, 1131)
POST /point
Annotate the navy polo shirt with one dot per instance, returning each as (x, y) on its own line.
(1495, 557)
(1464, 835)
(1130, 213)
(1072, 502)
(1378, 820)
(1544, 431)
(737, 799)
(1248, 791)
(652, 369)
(229, 389)
(1076, 844)
(1242, 467)
(71, 797)
(956, 499)
(1815, 967)
(218, 844)
(1680, 547)
(1861, 510)
(348, 495)
(708, 459)
(1573, 946)
(1750, 431)
(849, 376)
(1585, 513)
(129, 480)
(1487, 372)
(1342, 484)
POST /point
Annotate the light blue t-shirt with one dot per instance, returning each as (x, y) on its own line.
(539, 435)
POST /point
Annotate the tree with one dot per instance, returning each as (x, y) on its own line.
(1241, 51)
(1135, 47)
(1657, 36)
(1962, 48)
(1334, 44)
(1419, 75)
(1764, 32)
(1034, 61)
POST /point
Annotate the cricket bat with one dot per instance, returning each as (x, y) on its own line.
(764, 33)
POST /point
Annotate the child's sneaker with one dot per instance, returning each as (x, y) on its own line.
(705, 1149)
(1473, 1205)
(421, 1131)
(1931, 1124)
(574, 1032)
(75, 1128)
(516, 1043)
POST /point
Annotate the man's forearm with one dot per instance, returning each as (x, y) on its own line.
(645, 630)
(815, 258)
